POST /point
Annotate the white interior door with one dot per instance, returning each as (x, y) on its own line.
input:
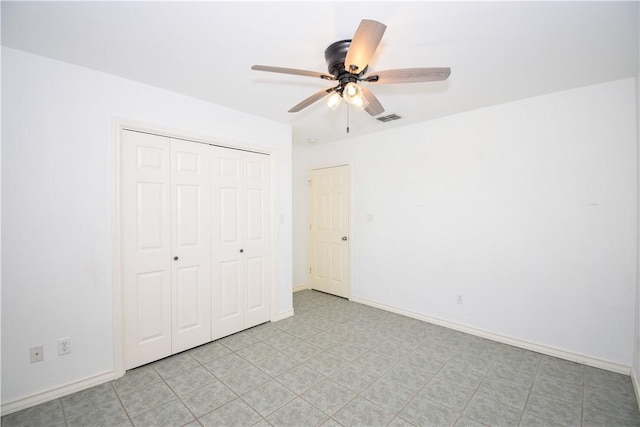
(257, 242)
(190, 244)
(241, 240)
(146, 247)
(329, 230)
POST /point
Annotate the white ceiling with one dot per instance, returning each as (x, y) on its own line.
(498, 51)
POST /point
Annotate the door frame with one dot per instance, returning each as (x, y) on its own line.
(349, 219)
(117, 126)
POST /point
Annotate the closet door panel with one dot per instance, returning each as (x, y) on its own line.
(151, 220)
(255, 284)
(230, 286)
(146, 247)
(191, 244)
(255, 214)
(227, 234)
(187, 292)
(152, 298)
(189, 207)
(257, 237)
(229, 210)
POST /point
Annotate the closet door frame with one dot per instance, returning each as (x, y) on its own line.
(118, 126)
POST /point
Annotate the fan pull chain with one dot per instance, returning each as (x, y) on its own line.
(347, 118)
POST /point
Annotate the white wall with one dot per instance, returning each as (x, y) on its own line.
(527, 209)
(299, 222)
(57, 208)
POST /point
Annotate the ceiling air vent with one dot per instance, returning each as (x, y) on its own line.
(389, 118)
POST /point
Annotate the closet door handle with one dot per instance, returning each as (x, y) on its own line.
(175, 258)
(241, 250)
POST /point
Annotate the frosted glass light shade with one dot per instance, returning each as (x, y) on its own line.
(353, 95)
(334, 100)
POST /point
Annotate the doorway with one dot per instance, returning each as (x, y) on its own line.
(329, 206)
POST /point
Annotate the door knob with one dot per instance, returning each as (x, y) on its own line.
(344, 238)
(241, 250)
(175, 258)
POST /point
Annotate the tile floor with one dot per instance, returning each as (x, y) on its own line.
(341, 363)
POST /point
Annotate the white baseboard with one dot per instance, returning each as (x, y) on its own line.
(65, 390)
(527, 345)
(301, 288)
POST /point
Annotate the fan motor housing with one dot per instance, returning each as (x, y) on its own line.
(335, 55)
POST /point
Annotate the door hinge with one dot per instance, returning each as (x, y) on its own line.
(309, 181)
(309, 226)
(309, 270)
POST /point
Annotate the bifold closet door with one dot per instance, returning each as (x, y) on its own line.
(191, 244)
(146, 247)
(241, 218)
(166, 246)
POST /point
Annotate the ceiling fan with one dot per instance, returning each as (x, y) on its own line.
(348, 62)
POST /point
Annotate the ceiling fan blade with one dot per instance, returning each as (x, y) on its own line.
(313, 98)
(363, 45)
(292, 71)
(375, 107)
(410, 75)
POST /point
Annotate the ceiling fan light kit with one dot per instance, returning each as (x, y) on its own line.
(348, 62)
(353, 95)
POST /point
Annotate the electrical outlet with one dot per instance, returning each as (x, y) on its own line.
(64, 346)
(459, 299)
(37, 354)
